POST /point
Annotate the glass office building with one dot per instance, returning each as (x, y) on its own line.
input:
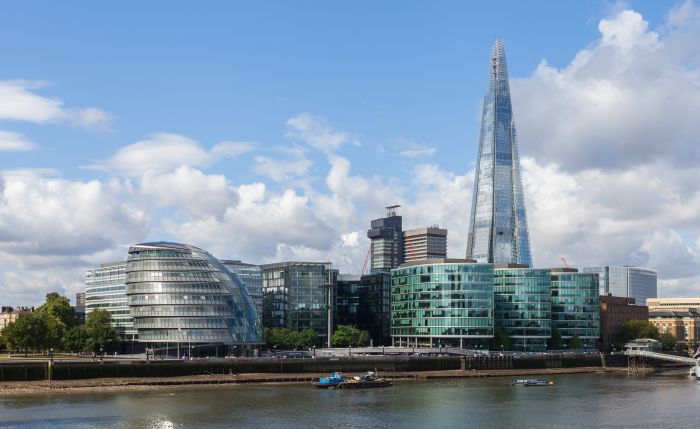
(442, 302)
(105, 289)
(349, 293)
(374, 314)
(296, 295)
(181, 294)
(523, 306)
(498, 231)
(251, 275)
(628, 282)
(575, 305)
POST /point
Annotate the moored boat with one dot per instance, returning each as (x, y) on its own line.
(366, 381)
(533, 382)
(329, 382)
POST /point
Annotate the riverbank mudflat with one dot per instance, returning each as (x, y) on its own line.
(102, 385)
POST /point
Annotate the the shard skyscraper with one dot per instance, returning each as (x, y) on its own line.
(498, 227)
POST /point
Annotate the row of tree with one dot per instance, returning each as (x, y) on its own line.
(53, 326)
(343, 336)
(284, 338)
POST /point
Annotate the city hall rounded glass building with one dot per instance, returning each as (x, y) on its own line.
(442, 302)
(181, 294)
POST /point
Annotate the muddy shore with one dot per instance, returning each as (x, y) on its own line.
(101, 385)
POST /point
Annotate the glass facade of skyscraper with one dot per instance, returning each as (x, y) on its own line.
(523, 306)
(575, 305)
(105, 289)
(182, 294)
(442, 302)
(498, 231)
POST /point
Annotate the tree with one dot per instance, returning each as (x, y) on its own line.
(633, 329)
(306, 338)
(555, 342)
(345, 336)
(59, 307)
(575, 342)
(500, 340)
(103, 337)
(76, 340)
(28, 333)
(668, 341)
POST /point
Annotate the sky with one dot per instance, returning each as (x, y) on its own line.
(272, 131)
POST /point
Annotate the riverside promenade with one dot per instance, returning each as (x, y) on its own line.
(130, 384)
(19, 376)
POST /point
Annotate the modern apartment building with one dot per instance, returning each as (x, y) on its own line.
(424, 243)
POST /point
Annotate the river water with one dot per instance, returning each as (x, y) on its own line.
(579, 400)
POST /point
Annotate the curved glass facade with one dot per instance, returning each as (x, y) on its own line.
(180, 293)
(523, 306)
(442, 304)
(498, 231)
(576, 306)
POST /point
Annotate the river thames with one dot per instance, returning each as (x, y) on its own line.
(580, 400)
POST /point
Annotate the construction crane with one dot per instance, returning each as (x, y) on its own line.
(563, 259)
(364, 266)
(413, 249)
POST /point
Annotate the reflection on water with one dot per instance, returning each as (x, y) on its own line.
(585, 400)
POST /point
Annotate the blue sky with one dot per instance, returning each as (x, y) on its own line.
(386, 71)
(362, 104)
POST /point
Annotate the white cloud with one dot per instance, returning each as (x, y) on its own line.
(162, 152)
(633, 97)
(53, 216)
(52, 229)
(317, 132)
(257, 225)
(19, 102)
(14, 142)
(295, 165)
(409, 149)
(190, 189)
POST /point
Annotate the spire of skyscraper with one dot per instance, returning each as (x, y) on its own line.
(498, 230)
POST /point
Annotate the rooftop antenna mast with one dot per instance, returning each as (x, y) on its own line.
(391, 210)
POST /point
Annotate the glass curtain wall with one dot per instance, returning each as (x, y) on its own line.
(442, 304)
(523, 306)
(576, 307)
